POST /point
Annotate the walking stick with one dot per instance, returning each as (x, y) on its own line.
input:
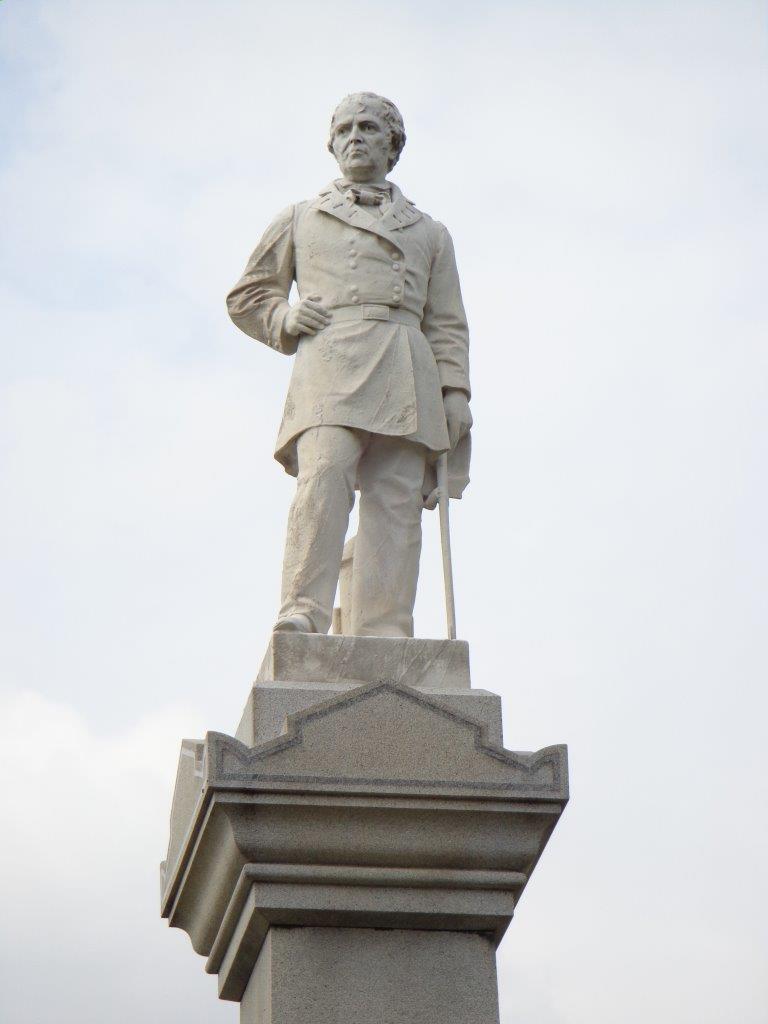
(445, 543)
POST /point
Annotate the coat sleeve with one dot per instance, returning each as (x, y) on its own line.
(444, 322)
(258, 303)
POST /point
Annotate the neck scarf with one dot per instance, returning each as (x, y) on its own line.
(366, 195)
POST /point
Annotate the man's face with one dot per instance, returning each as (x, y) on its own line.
(362, 143)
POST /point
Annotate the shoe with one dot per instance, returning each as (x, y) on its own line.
(294, 624)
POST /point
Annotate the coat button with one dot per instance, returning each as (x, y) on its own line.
(395, 266)
(353, 264)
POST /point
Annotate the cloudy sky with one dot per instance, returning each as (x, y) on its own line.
(602, 168)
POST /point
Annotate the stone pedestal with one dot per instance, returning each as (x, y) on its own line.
(356, 852)
(299, 670)
(361, 975)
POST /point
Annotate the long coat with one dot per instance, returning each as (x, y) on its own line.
(385, 374)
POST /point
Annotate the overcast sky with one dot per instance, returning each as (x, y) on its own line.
(602, 168)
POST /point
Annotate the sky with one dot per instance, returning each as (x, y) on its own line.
(602, 169)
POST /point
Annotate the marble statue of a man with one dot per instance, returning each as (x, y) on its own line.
(380, 385)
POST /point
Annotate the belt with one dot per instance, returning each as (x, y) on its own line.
(374, 311)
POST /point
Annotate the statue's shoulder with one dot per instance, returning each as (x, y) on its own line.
(287, 220)
(281, 222)
(434, 227)
(312, 204)
(293, 210)
(437, 233)
(304, 204)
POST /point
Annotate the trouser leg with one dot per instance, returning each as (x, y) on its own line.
(388, 544)
(317, 523)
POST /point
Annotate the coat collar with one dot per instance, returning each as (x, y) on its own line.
(399, 214)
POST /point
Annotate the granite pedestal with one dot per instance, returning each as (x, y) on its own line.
(355, 853)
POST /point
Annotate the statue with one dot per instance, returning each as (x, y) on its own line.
(380, 385)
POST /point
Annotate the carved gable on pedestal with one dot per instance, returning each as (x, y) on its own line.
(391, 737)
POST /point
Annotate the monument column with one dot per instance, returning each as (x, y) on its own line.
(362, 974)
(354, 853)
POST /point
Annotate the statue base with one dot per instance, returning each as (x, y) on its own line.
(356, 852)
(302, 669)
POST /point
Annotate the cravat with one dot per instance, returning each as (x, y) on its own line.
(367, 195)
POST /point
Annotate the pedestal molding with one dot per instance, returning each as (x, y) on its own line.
(347, 875)
(267, 896)
(542, 774)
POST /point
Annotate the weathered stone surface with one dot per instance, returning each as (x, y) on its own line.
(363, 976)
(268, 895)
(381, 777)
(300, 670)
(380, 385)
(329, 660)
(376, 811)
(269, 705)
(186, 793)
(236, 829)
(388, 735)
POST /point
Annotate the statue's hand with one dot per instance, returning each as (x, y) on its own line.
(307, 317)
(457, 415)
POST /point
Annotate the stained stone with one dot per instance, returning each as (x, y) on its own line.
(300, 670)
(328, 660)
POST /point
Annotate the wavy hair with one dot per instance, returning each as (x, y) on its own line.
(390, 114)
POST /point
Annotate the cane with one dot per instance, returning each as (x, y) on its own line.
(443, 499)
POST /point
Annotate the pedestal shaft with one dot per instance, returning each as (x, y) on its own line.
(371, 976)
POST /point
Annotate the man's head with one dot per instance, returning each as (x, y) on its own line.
(367, 136)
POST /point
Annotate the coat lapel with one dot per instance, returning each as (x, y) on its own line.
(399, 214)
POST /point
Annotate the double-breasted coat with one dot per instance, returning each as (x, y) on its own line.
(399, 332)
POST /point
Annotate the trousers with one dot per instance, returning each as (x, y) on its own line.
(389, 472)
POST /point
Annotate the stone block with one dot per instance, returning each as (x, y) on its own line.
(186, 793)
(328, 660)
(270, 704)
(389, 735)
(364, 976)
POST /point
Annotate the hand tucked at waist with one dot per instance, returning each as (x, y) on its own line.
(307, 317)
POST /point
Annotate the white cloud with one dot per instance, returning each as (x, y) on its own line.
(80, 936)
